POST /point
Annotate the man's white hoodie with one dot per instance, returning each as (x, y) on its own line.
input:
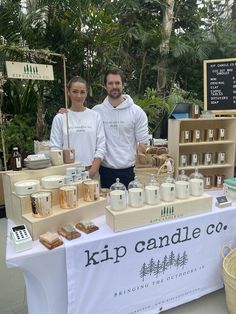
(125, 126)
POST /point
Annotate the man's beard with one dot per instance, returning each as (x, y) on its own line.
(116, 95)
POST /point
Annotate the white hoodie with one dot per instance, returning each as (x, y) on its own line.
(125, 126)
(87, 135)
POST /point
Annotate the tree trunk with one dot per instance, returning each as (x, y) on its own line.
(167, 25)
(141, 72)
(40, 124)
(234, 11)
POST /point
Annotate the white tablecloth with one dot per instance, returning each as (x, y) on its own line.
(143, 270)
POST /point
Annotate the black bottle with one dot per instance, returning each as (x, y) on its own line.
(16, 159)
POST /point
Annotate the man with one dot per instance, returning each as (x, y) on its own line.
(126, 127)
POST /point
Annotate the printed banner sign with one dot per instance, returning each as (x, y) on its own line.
(151, 269)
(29, 71)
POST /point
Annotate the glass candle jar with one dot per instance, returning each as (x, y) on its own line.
(209, 135)
(221, 158)
(136, 193)
(185, 136)
(41, 204)
(183, 160)
(194, 112)
(208, 159)
(196, 181)
(118, 196)
(152, 191)
(219, 180)
(221, 134)
(196, 135)
(207, 182)
(168, 189)
(68, 196)
(195, 159)
(182, 186)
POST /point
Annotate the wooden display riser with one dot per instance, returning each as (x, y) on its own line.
(152, 214)
(19, 209)
(84, 210)
(11, 177)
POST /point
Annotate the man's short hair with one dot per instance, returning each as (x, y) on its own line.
(114, 71)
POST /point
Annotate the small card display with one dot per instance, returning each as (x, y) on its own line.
(222, 201)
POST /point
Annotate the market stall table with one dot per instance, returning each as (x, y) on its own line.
(142, 270)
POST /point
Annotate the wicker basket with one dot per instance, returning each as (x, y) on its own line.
(160, 173)
(229, 275)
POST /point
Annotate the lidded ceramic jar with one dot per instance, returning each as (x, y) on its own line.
(152, 191)
(182, 190)
(196, 181)
(118, 199)
(136, 193)
(168, 189)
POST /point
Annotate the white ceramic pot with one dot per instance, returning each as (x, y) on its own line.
(52, 182)
(26, 187)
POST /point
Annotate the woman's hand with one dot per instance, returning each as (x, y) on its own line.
(62, 110)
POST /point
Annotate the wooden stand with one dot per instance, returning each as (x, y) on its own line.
(152, 214)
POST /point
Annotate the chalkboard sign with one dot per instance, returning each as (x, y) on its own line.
(220, 85)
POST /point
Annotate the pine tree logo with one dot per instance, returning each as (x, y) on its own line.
(158, 267)
(167, 211)
(31, 69)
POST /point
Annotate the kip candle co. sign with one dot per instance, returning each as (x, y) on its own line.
(29, 71)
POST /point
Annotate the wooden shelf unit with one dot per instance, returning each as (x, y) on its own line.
(177, 148)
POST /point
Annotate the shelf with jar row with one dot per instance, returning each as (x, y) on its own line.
(206, 143)
(203, 139)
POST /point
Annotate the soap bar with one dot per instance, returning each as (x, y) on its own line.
(50, 240)
(69, 232)
(86, 226)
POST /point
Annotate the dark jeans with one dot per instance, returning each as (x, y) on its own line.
(108, 176)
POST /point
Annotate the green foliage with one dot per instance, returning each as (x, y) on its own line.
(94, 35)
(178, 94)
(20, 131)
(155, 107)
(21, 96)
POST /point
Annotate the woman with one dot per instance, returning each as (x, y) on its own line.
(85, 128)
